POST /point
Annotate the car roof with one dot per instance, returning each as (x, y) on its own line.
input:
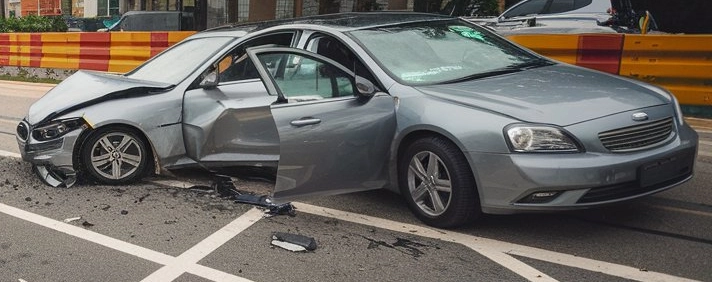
(341, 21)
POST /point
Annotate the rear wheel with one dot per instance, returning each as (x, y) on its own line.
(115, 155)
(436, 181)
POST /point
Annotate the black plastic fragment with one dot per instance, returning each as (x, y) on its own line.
(223, 186)
(308, 243)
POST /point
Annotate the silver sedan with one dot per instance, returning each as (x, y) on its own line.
(455, 118)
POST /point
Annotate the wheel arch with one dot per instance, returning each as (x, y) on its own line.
(81, 140)
(419, 133)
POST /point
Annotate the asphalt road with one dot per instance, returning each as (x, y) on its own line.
(161, 230)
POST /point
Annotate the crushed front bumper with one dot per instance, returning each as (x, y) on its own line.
(52, 160)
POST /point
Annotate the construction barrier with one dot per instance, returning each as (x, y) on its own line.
(101, 51)
(681, 63)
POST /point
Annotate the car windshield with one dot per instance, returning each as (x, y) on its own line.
(440, 52)
(175, 64)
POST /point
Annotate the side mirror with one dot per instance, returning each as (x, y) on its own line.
(365, 87)
(210, 79)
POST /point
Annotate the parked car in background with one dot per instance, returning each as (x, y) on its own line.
(459, 120)
(570, 16)
(153, 21)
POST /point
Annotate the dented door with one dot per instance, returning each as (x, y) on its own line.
(230, 125)
(332, 140)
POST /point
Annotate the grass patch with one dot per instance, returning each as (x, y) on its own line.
(29, 79)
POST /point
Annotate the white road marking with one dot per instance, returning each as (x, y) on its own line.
(191, 257)
(91, 236)
(494, 249)
(142, 252)
(682, 210)
(9, 154)
(497, 251)
(705, 142)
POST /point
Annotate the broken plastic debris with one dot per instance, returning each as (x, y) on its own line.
(293, 242)
(87, 224)
(224, 186)
(68, 220)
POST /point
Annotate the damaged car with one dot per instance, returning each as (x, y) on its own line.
(455, 118)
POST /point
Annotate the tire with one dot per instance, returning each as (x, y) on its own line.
(436, 181)
(103, 162)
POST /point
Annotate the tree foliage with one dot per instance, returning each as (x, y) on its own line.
(32, 23)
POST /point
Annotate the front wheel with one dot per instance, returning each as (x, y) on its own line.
(115, 155)
(437, 183)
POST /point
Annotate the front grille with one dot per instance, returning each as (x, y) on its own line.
(23, 130)
(624, 190)
(637, 136)
(667, 171)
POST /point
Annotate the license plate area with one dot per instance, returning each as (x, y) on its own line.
(665, 169)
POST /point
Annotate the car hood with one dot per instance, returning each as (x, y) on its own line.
(86, 88)
(557, 94)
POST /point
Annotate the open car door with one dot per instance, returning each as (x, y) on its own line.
(335, 130)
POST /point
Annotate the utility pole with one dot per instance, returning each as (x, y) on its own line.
(2, 9)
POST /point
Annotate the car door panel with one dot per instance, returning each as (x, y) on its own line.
(230, 125)
(330, 147)
(331, 139)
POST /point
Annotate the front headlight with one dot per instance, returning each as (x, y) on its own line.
(56, 129)
(539, 138)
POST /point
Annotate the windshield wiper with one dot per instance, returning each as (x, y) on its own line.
(504, 70)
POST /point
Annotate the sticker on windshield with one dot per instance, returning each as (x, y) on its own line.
(467, 32)
(419, 75)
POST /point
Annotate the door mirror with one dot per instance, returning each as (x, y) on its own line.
(365, 87)
(210, 79)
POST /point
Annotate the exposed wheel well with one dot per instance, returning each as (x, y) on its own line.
(418, 134)
(86, 133)
(415, 135)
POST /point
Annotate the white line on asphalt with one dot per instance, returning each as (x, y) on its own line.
(681, 210)
(126, 247)
(705, 142)
(9, 154)
(488, 248)
(498, 251)
(91, 236)
(189, 258)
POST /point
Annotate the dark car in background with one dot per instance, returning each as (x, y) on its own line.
(570, 16)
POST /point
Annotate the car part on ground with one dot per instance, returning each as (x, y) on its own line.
(458, 119)
(293, 242)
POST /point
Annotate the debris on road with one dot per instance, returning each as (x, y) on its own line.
(293, 242)
(224, 187)
(87, 224)
(68, 220)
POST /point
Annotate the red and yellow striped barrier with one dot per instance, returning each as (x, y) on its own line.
(681, 63)
(102, 51)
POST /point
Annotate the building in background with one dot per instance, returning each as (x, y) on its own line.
(212, 13)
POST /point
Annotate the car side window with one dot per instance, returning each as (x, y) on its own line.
(528, 8)
(236, 65)
(332, 48)
(301, 78)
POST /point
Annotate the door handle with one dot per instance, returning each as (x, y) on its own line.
(305, 121)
